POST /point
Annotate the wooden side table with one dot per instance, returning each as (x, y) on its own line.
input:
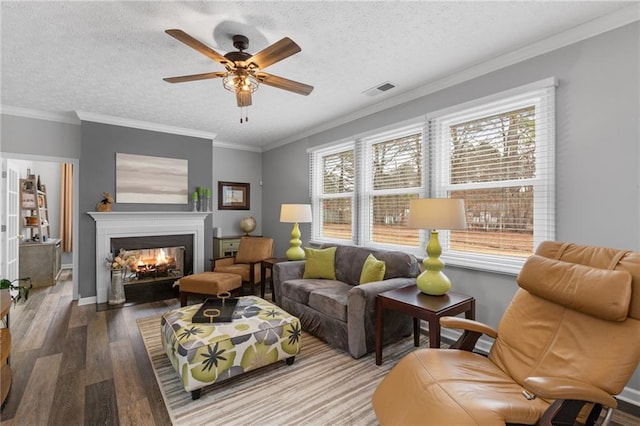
(265, 265)
(420, 306)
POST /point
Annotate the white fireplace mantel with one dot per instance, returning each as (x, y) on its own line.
(141, 224)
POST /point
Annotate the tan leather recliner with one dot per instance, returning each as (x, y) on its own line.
(247, 261)
(570, 335)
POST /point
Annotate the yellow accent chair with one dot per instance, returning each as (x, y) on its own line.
(247, 261)
(566, 346)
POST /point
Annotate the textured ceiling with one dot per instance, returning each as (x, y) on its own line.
(110, 57)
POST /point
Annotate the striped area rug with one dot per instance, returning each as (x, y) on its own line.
(324, 386)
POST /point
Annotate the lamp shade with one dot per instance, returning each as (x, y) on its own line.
(295, 213)
(437, 213)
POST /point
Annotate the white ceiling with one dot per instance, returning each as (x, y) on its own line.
(109, 58)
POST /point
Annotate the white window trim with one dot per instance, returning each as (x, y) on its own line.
(316, 182)
(365, 183)
(544, 182)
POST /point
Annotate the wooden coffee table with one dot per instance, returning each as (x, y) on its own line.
(420, 306)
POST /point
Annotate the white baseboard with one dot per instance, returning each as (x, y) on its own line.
(87, 301)
(630, 395)
(66, 266)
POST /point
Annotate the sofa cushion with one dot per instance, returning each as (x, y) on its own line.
(350, 259)
(331, 301)
(298, 290)
(320, 263)
(372, 270)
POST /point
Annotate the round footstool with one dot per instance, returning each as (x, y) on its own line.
(207, 283)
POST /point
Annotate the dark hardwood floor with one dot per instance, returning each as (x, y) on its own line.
(74, 365)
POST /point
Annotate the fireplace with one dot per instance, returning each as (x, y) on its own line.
(137, 231)
(154, 263)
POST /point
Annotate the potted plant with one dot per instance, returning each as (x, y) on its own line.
(16, 291)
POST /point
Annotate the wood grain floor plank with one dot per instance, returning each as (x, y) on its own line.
(125, 373)
(74, 354)
(39, 324)
(57, 328)
(116, 325)
(21, 367)
(136, 413)
(68, 400)
(100, 404)
(79, 315)
(147, 377)
(22, 313)
(98, 355)
(35, 404)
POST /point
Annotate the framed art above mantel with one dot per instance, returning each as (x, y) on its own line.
(233, 196)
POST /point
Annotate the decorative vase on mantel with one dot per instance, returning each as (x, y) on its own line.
(116, 291)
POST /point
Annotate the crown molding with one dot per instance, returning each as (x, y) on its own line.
(589, 29)
(230, 145)
(145, 125)
(39, 115)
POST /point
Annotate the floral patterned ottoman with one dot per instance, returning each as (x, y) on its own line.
(259, 334)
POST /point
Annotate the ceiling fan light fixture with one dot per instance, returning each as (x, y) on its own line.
(235, 81)
(243, 72)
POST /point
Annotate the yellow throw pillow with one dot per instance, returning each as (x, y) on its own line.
(320, 263)
(372, 270)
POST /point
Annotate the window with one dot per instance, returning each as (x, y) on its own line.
(333, 193)
(496, 153)
(361, 189)
(393, 165)
(498, 157)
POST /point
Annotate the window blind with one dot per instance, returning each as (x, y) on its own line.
(393, 164)
(499, 157)
(332, 191)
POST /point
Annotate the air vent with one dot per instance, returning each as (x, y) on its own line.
(380, 88)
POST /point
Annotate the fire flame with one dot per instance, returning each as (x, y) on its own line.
(161, 259)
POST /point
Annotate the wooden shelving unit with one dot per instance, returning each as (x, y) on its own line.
(40, 255)
(33, 205)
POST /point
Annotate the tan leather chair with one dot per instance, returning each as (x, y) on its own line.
(246, 262)
(569, 338)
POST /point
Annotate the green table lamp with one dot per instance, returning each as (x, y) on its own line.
(295, 213)
(434, 214)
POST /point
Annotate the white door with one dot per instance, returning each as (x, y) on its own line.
(12, 217)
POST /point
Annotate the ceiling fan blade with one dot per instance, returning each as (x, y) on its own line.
(283, 83)
(197, 45)
(243, 99)
(276, 52)
(194, 77)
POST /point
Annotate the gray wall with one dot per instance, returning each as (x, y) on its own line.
(285, 173)
(21, 135)
(231, 165)
(100, 143)
(597, 153)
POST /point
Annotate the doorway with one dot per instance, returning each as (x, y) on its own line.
(18, 161)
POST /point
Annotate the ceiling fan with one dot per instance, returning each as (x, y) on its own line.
(244, 72)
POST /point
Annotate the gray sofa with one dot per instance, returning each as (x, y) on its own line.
(340, 311)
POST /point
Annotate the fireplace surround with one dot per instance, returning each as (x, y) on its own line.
(143, 224)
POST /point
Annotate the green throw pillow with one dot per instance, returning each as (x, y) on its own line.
(320, 263)
(372, 270)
